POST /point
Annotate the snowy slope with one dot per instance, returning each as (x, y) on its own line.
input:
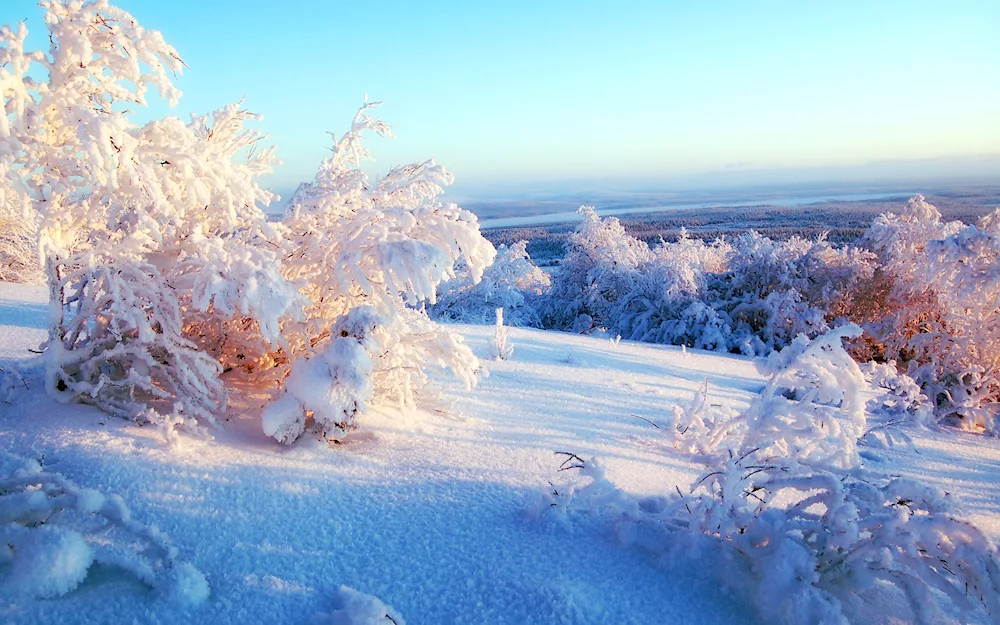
(430, 512)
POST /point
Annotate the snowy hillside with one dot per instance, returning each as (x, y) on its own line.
(438, 513)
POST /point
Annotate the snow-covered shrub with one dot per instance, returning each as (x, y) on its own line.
(162, 268)
(899, 405)
(120, 345)
(773, 291)
(900, 396)
(151, 235)
(500, 349)
(812, 410)
(692, 425)
(18, 238)
(512, 282)
(815, 540)
(813, 530)
(52, 531)
(365, 252)
(942, 319)
(749, 295)
(332, 387)
(595, 274)
(665, 299)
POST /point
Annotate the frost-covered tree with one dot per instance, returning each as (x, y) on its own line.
(512, 282)
(368, 257)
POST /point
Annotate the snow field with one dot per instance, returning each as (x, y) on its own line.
(435, 513)
(428, 512)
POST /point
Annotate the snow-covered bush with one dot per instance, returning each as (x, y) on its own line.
(692, 425)
(162, 268)
(813, 530)
(749, 295)
(941, 321)
(595, 274)
(18, 238)
(899, 405)
(368, 255)
(773, 291)
(333, 386)
(664, 300)
(512, 282)
(120, 346)
(150, 234)
(500, 349)
(52, 531)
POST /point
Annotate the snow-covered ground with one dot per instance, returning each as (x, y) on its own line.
(434, 513)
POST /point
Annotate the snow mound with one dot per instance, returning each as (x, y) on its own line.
(46, 561)
(357, 608)
(51, 531)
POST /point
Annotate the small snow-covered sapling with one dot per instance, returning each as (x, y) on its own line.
(500, 349)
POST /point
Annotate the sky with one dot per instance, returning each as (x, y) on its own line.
(509, 94)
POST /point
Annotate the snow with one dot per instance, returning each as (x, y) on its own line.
(47, 562)
(427, 511)
(24, 313)
(357, 608)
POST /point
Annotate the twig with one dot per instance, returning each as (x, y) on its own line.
(705, 477)
(747, 454)
(683, 498)
(646, 420)
(570, 457)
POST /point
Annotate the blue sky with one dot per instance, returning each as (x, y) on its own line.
(509, 93)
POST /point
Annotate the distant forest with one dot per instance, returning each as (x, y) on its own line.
(843, 221)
